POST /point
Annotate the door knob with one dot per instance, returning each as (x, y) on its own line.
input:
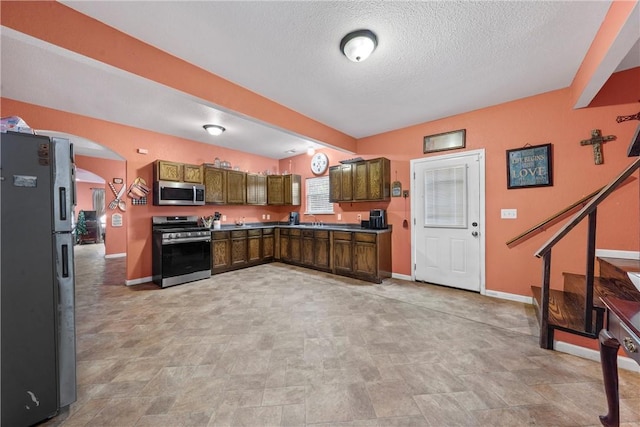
(474, 233)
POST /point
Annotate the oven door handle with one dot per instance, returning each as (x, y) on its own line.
(186, 240)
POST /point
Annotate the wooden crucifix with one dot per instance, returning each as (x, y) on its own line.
(597, 140)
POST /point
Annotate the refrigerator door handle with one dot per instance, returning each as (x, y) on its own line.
(63, 203)
(65, 260)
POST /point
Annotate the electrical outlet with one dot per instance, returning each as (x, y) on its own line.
(359, 217)
(224, 217)
(264, 216)
(268, 216)
(339, 217)
(508, 213)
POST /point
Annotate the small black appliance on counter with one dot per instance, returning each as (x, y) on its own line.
(294, 218)
(378, 219)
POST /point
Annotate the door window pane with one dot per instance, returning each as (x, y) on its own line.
(445, 197)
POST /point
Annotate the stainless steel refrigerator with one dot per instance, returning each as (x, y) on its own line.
(37, 289)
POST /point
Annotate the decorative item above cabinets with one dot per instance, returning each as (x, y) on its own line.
(362, 181)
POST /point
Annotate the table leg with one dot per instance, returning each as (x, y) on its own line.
(609, 361)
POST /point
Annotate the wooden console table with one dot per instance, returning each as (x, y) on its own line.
(623, 327)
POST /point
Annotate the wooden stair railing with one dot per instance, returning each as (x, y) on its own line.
(589, 210)
(558, 216)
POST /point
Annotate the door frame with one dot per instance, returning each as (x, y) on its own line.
(481, 158)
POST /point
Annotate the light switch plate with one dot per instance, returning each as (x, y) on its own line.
(508, 213)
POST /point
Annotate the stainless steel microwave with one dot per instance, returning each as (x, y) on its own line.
(177, 193)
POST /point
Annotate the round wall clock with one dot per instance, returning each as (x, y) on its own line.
(319, 163)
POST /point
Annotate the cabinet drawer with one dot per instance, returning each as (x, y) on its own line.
(629, 342)
(254, 233)
(284, 231)
(238, 234)
(267, 231)
(295, 232)
(307, 233)
(322, 234)
(220, 235)
(342, 235)
(365, 237)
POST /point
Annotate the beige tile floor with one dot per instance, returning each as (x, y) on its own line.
(276, 345)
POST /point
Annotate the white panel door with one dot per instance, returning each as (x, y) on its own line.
(447, 215)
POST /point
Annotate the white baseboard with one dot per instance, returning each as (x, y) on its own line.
(138, 281)
(511, 297)
(401, 276)
(611, 253)
(124, 254)
(625, 363)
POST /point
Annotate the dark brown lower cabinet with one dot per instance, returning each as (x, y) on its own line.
(295, 245)
(268, 244)
(238, 248)
(342, 253)
(220, 251)
(254, 246)
(359, 254)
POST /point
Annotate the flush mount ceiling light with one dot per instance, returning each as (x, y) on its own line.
(214, 129)
(311, 151)
(358, 45)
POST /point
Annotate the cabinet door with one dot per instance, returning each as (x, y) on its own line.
(268, 247)
(341, 183)
(275, 190)
(220, 251)
(295, 249)
(342, 258)
(253, 248)
(256, 189)
(378, 179)
(192, 173)
(307, 247)
(284, 245)
(238, 248)
(365, 259)
(321, 250)
(360, 186)
(236, 187)
(215, 182)
(292, 190)
(169, 171)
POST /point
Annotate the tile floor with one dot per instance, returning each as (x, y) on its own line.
(276, 345)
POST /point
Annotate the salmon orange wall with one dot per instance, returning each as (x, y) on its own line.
(545, 118)
(124, 140)
(115, 237)
(84, 196)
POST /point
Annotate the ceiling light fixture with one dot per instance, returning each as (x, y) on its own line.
(311, 151)
(214, 129)
(358, 45)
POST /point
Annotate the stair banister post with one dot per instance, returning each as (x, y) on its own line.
(546, 333)
(591, 259)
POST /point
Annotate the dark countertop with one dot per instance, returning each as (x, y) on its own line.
(303, 226)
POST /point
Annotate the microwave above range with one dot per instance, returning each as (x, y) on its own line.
(177, 194)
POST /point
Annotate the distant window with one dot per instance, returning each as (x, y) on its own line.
(318, 196)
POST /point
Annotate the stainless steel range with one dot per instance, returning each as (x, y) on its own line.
(181, 250)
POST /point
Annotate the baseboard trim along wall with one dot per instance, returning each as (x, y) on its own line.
(401, 277)
(124, 254)
(511, 297)
(625, 363)
(138, 281)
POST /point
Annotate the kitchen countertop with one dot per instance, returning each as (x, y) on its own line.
(303, 226)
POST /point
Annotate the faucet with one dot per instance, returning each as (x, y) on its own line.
(315, 220)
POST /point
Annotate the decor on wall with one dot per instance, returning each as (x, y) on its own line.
(138, 191)
(118, 202)
(445, 141)
(529, 166)
(621, 119)
(396, 187)
(596, 141)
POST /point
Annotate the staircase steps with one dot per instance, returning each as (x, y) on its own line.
(566, 307)
(566, 311)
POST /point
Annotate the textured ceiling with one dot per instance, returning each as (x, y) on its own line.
(434, 59)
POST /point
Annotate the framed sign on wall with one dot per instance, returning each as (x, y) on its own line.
(530, 166)
(444, 141)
